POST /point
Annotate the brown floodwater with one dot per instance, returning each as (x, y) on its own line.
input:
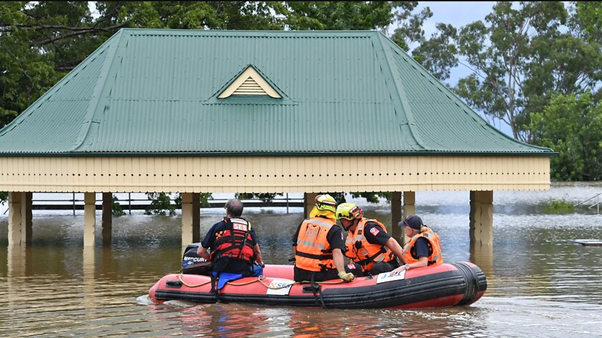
(539, 283)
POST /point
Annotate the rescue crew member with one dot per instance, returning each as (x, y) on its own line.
(424, 247)
(232, 242)
(368, 243)
(318, 245)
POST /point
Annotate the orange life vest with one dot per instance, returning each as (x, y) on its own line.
(363, 252)
(434, 245)
(313, 251)
(235, 241)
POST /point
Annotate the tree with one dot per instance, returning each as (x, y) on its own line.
(572, 126)
(523, 56)
(339, 15)
(160, 204)
(27, 67)
(439, 54)
(590, 13)
(500, 50)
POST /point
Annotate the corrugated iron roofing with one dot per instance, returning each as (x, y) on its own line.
(154, 92)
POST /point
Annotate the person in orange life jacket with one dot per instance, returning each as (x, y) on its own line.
(231, 244)
(424, 247)
(318, 246)
(368, 243)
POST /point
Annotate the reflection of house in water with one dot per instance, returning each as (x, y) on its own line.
(195, 111)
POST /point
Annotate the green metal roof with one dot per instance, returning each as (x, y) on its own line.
(154, 92)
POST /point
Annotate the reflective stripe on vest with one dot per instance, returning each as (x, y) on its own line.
(313, 251)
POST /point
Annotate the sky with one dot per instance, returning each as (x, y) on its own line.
(458, 14)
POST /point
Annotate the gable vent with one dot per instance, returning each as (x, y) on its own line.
(249, 87)
(250, 83)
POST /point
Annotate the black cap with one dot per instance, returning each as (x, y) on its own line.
(412, 221)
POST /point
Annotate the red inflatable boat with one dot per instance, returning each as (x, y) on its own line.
(443, 285)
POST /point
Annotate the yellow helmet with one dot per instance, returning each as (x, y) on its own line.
(348, 211)
(326, 203)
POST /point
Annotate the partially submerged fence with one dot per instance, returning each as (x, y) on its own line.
(591, 202)
(129, 203)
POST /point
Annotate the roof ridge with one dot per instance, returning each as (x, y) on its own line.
(57, 86)
(111, 51)
(402, 98)
(257, 31)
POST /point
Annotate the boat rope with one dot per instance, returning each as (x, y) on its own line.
(191, 285)
(242, 284)
(260, 280)
(277, 287)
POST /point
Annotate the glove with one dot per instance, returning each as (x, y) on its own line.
(346, 276)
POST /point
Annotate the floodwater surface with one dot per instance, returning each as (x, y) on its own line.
(540, 284)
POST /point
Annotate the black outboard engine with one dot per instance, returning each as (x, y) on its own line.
(192, 263)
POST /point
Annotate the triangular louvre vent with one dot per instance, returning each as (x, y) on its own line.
(250, 83)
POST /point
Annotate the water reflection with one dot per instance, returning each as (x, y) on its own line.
(89, 282)
(482, 256)
(500, 317)
(16, 261)
(222, 320)
(240, 320)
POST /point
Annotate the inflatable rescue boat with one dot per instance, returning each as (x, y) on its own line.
(442, 285)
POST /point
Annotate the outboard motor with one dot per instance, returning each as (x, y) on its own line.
(192, 263)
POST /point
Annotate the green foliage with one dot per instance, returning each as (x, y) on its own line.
(439, 54)
(178, 201)
(39, 43)
(3, 197)
(248, 15)
(204, 199)
(160, 204)
(590, 12)
(117, 209)
(409, 26)
(572, 126)
(339, 15)
(554, 206)
(522, 54)
(371, 197)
